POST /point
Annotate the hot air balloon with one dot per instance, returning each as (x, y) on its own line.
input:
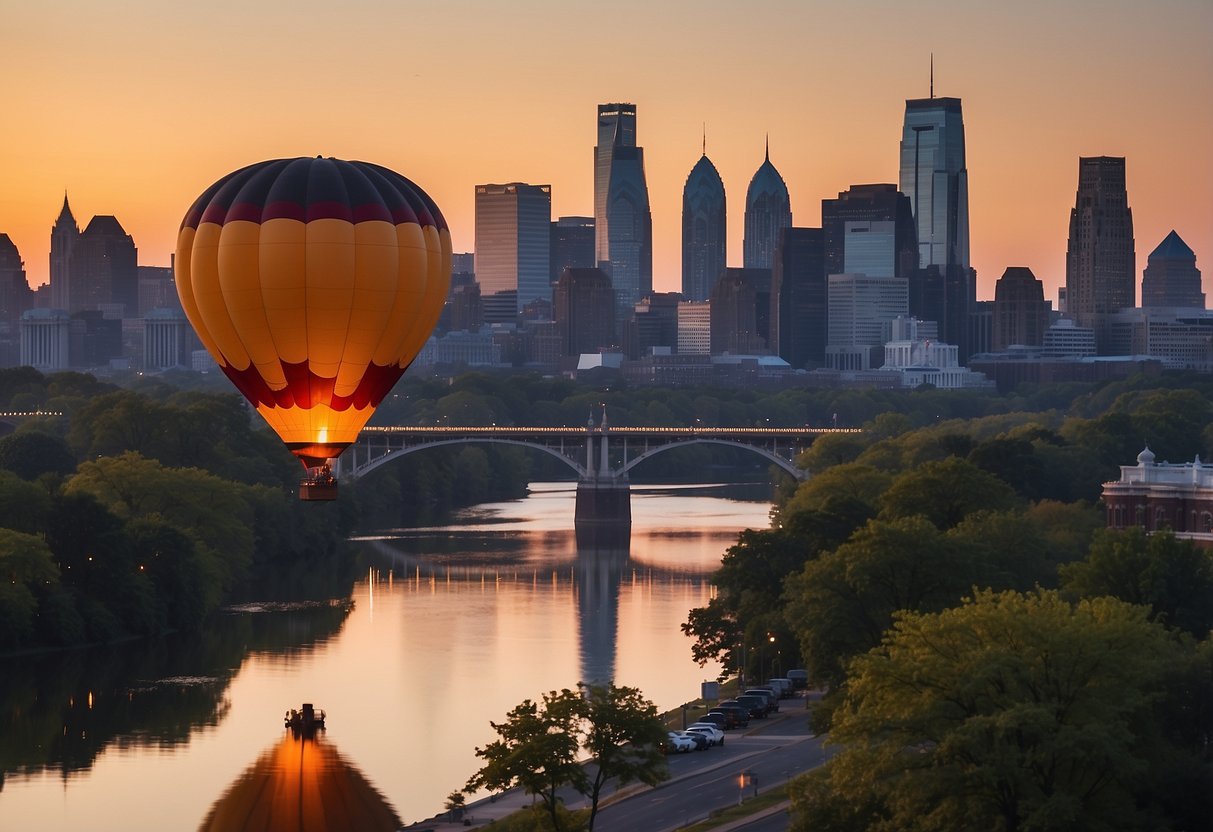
(313, 283)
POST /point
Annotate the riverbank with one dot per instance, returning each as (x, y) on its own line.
(496, 811)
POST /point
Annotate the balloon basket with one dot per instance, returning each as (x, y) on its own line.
(319, 484)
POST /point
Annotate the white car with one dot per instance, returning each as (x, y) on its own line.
(712, 732)
(680, 744)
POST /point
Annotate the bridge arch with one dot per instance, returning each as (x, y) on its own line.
(362, 470)
(798, 473)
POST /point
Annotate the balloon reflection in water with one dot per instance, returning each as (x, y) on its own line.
(301, 783)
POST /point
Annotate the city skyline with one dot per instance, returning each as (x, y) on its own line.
(133, 113)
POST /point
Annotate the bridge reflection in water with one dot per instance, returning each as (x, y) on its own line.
(301, 782)
(600, 454)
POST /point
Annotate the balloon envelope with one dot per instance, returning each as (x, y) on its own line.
(313, 283)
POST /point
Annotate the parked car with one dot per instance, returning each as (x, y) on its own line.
(739, 715)
(800, 678)
(783, 685)
(769, 694)
(759, 706)
(721, 721)
(675, 743)
(701, 741)
(712, 732)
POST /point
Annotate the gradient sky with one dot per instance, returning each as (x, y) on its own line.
(135, 106)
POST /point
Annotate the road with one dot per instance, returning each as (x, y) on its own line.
(703, 781)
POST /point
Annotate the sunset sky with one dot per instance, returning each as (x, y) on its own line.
(135, 106)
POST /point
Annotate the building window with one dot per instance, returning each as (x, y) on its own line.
(1206, 522)
(1160, 518)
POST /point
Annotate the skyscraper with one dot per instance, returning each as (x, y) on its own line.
(584, 309)
(934, 177)
(741, 311)
(513, 244)
(623, 224)
(703, 230)
(798, 298)
(64, 234)
(15, 299)
(1021, 315)
(767, 211)
(103, 268)
(859, 207)
(572, 245)
(1171, 277)
(1100, 258)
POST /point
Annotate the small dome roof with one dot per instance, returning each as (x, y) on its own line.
(1146, 457)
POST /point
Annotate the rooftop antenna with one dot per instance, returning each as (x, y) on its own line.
(932, 74)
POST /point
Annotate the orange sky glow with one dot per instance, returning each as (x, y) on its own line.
(135, 107)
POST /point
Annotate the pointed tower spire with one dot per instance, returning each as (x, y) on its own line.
(705, 138)
(768, 148)
(66, 211)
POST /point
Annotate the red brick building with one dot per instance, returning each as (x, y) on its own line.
(1159, 495)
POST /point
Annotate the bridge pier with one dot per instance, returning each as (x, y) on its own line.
(602, 516)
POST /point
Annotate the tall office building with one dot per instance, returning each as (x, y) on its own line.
(1171, 277)
(767, 211)
(654, 323)
(64, 234)
(846, 220)
(623, 224)
(572, 245)
(1100, 258)
(934, 177)
(584, 309)
(103, 268)
(695, 327)
(740, 312)
(860, 311)
(703, 230)
(1020, 313)
(798, 298)
(513, 246)
(15, 298)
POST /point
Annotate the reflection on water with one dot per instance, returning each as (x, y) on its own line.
(301, 783)
(449, 629)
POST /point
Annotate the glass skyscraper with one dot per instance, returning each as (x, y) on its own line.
(623, 224)
(513, 245)
(703, 230)
(767, 211)
(934, 177)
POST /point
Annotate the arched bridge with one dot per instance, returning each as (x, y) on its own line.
(600, 454)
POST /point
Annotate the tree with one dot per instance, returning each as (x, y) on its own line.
(623, 736)
(1010, 712)
(540, 745)
(841, 603)
(30, 453)
(537, 750)
(1170, 576)
(945, 492)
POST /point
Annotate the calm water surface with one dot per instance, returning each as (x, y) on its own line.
(449, 628)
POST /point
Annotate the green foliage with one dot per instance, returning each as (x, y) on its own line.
(1173, 578)
(26, 571)
(1009, 712)
(540, 744)
(842, 602)
(29, 454)
(945, 492)
(537, 749)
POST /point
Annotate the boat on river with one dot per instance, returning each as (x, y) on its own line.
(306, 720)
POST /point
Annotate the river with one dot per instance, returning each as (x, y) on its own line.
(448, 629)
